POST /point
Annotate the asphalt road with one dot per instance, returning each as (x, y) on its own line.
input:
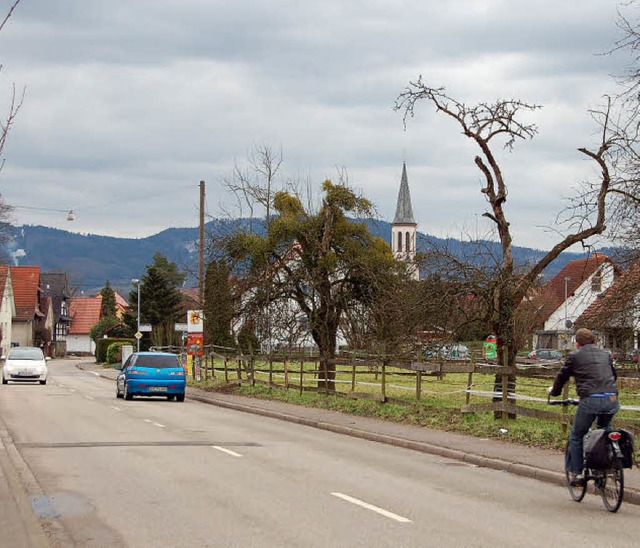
(106, 472)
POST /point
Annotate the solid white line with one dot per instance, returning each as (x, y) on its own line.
(227, 451)
(368, 506)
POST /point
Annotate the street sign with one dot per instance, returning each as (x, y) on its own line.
(195, 321)
(138, 335)
(145, 328)
(180, 327)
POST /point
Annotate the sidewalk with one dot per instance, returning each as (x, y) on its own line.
(542, 464)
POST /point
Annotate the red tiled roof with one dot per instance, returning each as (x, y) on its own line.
(26, 280)
(553, 294)
(614, 302)
(121, 304)
(84, 313)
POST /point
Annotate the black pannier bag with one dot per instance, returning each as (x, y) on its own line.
(627, 447)
(596, 453)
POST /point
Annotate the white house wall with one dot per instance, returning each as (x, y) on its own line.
(7, 312)
(580, 300)
(81, 344)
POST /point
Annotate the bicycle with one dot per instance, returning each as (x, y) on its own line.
(608, 480)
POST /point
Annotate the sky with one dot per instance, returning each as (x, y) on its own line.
(128, 104)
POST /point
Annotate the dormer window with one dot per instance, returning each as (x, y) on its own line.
(596, 282)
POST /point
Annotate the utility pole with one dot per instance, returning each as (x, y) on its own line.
(201, 248)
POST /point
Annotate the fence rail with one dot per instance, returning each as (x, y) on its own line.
(407, 382)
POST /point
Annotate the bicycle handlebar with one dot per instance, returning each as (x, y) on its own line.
(568, 401)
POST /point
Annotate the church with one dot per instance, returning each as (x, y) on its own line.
(404, 229)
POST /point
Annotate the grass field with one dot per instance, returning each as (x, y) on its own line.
(439, 407)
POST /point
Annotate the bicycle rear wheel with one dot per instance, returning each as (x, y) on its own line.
(613, 486)
(577, 492)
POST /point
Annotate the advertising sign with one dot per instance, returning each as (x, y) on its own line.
(195, 343)
(195, 323)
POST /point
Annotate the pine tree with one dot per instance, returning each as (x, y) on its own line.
(108, 308)
(218, 300)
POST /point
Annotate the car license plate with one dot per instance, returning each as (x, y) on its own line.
(157, 389)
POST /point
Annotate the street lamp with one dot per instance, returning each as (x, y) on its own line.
(136, 281)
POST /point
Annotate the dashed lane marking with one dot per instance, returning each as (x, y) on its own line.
(371, 507)
(227, 451)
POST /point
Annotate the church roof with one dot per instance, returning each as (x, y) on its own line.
(404, 211)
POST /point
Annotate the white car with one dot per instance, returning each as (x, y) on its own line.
(25, 363)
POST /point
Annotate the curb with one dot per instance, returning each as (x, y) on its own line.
(631, 496)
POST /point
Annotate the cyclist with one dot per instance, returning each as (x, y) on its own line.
(595, 376)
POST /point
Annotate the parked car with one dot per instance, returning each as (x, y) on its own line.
(25, 363)
(448, 352)
(546, 354)
(151, 374)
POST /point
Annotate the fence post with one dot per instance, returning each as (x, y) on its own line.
(252, 361)
(384, 378)
(239, 368)
(301, 373)
(353, 377)
(286, 374)
(469, 385)
(505, 390)
(418, 384)
(206, 367)
(226, 371)
(270, 371)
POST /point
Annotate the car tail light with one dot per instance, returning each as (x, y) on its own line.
(615, 436)
(138, 372)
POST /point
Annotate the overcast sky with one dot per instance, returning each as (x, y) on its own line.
(130, 103)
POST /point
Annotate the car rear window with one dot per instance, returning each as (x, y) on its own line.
(159, 362)
(18, 353)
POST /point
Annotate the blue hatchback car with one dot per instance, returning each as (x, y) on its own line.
(151, 374)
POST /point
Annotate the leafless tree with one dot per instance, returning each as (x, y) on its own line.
(489, 124)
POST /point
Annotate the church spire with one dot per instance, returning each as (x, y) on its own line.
(404, 211)
(404, 229)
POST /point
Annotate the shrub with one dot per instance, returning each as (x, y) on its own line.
(114, 352)
(102, 346)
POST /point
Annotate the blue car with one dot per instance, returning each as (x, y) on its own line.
(151, 374)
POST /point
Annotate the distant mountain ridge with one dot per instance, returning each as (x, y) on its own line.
(90, 259)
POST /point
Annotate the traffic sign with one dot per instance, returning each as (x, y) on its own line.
(138, 335)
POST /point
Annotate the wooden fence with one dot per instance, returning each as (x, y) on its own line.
(371, 378)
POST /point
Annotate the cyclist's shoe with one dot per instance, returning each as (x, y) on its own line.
(576, 480)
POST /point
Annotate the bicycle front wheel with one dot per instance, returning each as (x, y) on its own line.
(577, 492)
(613, 486)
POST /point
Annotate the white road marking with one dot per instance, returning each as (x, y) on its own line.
(368, 506)
(90, 397)
(155, 423)
(114, 407)
(227, 451)
(95, 373)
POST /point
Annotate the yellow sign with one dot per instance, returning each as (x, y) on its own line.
(138, 335)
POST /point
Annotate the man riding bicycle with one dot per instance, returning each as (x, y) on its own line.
(595, 378)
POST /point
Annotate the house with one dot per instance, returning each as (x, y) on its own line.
(567, 296)
(55, 286)
(28, 322)
(85, 312)
(614, 317)
(7, 309)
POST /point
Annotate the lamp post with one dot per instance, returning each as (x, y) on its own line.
(136, 281)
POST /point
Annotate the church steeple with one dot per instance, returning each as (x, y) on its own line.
(404, 211)
(404, 229)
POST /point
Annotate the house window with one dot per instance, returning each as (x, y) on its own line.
(399, 241)
(596, 282)
(407, 242)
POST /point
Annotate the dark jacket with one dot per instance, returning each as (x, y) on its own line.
(592, 369)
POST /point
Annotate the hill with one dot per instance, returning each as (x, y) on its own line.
(90, 259)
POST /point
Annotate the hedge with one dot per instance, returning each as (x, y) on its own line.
(102, 346)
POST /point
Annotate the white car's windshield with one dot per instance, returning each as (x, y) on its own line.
(18, 353)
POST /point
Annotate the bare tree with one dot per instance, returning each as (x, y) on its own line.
(488, 124)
